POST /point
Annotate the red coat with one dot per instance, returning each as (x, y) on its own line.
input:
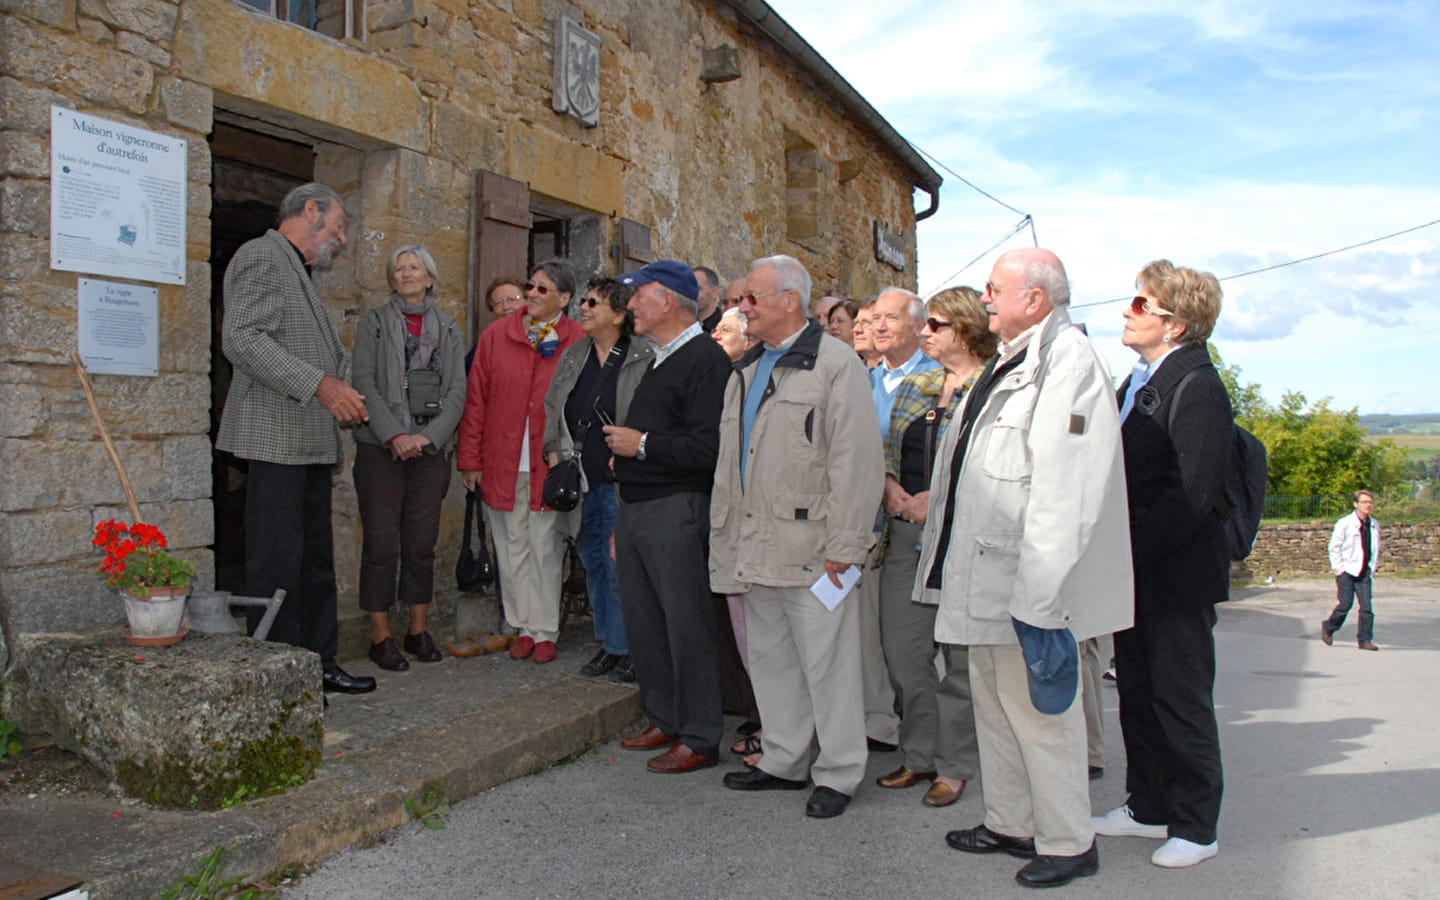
(507, 383)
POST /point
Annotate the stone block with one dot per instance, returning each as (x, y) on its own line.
(25, 206)
(24, 154)
(558, 167)
(28, 108)
(62, 596)
(76, 66)
(469, 141)
(135, 45)
(184, 726)
(187, 461)
(55, 13)
(40, 474)
(154, 20)
(21, 414)
(29, 538)
(188, 105)
(186, 523)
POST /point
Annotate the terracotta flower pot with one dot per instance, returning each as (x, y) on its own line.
(157, 617)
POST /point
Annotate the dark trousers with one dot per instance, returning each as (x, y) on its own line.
(289, 544)
(399, 505)
(1165, 670)
(661, 555)
(1348, 589)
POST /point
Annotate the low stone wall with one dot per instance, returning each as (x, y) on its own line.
(1299, 549)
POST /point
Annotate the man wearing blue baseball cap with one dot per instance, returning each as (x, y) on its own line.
(665, 445)
(1027, 549)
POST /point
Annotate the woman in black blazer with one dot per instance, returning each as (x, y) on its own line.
(1177, 429)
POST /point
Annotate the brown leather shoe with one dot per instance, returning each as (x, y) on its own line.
(903, 778)
(1366, 645)
(466, 648)
(1325, 635)
(679, 758)
(651, 738)
(496, 643)
(942, 794)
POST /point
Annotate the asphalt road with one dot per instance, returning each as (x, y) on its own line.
(1332, 790)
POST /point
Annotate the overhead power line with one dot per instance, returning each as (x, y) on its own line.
(1293, 262)
(968, 183)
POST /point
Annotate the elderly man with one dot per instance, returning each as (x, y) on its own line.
(664, 467)
(1027, 550)
(281, 416)
(733, 292)
(707, 304)
(796, 489)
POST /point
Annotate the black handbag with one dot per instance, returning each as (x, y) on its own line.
(561, 490)
(473, 574)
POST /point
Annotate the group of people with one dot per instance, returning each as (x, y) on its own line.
(746, 454)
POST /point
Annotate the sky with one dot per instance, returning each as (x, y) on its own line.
(1224, 136)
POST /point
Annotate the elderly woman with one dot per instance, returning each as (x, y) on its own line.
(1178, 433)
(840, 323)
(505, 296)
(864, 339)
(937, 726)
(409, 365)
(592, 387)
(501, 435)
(730, 334)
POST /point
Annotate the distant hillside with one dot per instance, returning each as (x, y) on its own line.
(1385, 424)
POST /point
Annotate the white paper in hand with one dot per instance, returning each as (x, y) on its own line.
(829, 594)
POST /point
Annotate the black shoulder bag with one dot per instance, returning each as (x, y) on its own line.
(473, 574)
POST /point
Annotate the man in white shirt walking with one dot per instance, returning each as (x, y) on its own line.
(1354, 547)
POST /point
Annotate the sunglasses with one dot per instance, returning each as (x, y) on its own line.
(540, 289)
(935, 324)
(1141, 305)
(593, 302)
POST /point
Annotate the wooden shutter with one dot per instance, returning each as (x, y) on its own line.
(502, 238)
(634, 245)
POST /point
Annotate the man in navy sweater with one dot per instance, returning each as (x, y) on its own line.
(665, 454)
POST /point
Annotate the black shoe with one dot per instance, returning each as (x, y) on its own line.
(623, 672)
(1053, 871)
(386, 655)
(982, 840)
(1097, 773)
(756, 780)
(337, 679)
(600, 664)
(747, 728)
(875, 746)
(826, 803)
(422, 647)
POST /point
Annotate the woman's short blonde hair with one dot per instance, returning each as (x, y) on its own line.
(1193, 296)
(965, 309)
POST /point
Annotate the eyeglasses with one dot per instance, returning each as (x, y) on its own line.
(992, 291)
(540, 289)
(1141, 305)
(935, 324)
(752, 299)
(499, 302)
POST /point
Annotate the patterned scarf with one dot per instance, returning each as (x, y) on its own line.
(542, 337)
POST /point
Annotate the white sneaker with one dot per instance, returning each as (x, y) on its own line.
(1177, 853)
(1120, 822)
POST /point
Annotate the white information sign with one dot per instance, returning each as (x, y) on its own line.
(119, 328)
(117, 199)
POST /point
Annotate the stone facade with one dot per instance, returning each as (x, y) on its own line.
(1299, 549)
(400, 122)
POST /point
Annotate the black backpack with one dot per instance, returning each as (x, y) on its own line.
(1244, 494)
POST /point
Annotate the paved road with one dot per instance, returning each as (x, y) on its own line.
(1333, 790)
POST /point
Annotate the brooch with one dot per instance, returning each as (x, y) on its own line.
(1147, 401)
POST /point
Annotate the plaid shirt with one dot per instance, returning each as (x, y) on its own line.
(914, 398)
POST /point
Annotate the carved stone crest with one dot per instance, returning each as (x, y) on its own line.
(576, 85)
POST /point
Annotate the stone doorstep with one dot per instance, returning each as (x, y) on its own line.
(451, 613)
(140, 851)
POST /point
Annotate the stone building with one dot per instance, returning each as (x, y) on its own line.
(498, 132)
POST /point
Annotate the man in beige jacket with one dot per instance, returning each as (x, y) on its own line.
(799, 478)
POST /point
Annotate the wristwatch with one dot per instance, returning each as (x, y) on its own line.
(640, 449)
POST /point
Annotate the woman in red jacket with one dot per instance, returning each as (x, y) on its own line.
(501, 436)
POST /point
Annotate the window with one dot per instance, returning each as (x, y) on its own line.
(332, 18)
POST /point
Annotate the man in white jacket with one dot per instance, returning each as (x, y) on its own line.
(1354, 547)
(1028, 531)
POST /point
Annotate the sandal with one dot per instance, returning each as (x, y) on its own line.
(749, 745)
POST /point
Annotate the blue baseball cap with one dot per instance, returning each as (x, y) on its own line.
(1052, 666)
(676, 276)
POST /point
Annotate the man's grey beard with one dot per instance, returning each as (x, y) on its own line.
(325, 255)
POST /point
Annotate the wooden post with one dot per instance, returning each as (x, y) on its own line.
(105, 436)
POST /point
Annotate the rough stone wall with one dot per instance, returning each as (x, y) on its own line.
(401, 122)
(1299, 549)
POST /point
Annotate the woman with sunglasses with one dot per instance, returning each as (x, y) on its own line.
(501, 433)
(1177, 429)
(937, 726)
(592, 388)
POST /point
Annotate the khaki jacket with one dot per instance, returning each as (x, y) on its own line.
(815, 472)
(1041, 526)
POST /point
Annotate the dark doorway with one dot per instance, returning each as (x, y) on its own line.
(250, 173)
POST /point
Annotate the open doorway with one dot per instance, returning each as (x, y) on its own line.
(250, 173)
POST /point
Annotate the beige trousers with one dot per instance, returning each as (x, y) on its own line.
(531, 551)
(1092, 667)
(805, 667)
(1033, 764)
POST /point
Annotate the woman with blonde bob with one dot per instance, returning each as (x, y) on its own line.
(937, 728)
(1177, 429)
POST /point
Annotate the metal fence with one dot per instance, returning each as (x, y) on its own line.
(1306, 506)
